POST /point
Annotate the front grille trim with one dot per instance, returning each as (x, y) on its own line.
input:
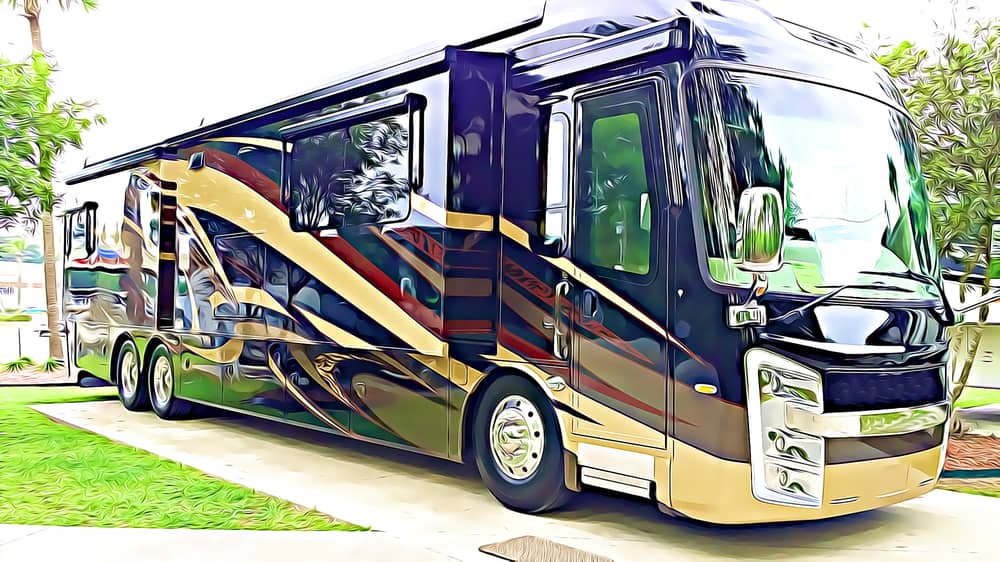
(850, 390)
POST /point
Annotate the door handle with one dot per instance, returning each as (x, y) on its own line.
(591, 304)
(559, 349)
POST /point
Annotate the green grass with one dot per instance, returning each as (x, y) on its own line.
(50, 364)
(15, 317)
(18, 364)
(51, 474)
(993, 493)
(974, 397)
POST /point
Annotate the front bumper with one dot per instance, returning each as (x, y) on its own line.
(788, 430)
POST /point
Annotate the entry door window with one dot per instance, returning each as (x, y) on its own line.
(618, 170)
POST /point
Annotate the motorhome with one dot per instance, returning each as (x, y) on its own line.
(674, 249)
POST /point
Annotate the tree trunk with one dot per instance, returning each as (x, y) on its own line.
(36, 30)
(20, 281)
(975, 337)
(51, 303)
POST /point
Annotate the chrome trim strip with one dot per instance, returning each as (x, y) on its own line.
(616, 482)
(866, 424)
(843, 348)
(617, 461)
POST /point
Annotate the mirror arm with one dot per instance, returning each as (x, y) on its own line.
(757, 288)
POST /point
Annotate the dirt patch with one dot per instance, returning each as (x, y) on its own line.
(973, 452)
(33, 376)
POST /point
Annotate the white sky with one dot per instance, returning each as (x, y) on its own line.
(158, 67)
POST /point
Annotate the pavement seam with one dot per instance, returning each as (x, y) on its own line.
(15, 539)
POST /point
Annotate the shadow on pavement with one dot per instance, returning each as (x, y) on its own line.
(635, 519)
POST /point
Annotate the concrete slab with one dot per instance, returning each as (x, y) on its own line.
(444, 507)
(982, 420)
(82, 544)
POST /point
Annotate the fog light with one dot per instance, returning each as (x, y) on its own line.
(787, 466)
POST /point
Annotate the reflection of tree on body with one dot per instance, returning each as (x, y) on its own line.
(353, 176)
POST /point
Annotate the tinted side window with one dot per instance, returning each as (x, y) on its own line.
(615, 179)
(351, 175)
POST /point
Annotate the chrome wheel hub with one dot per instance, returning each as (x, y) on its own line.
(517, 437)
(163, 380)
(129, 372)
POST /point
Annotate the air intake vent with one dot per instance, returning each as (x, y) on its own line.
(853, 391)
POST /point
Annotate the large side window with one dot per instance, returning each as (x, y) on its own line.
(616, 174)
(355, 168)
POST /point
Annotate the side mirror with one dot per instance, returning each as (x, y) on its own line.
(993, 263)
(760, 230)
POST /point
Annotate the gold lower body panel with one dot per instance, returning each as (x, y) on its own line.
(711, 489)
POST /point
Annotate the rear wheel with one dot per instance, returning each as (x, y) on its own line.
(161, 387)
(128, 375)
(519, 450)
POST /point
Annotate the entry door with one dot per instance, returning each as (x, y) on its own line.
(618, 246)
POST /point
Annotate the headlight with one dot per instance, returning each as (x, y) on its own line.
(786, 465)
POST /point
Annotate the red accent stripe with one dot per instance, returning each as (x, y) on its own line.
(267, 188)
(468, 326)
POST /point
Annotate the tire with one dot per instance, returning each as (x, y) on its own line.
(132, 388)
(532, 479)
(161, 386)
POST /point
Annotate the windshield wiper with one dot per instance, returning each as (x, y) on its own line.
(947, 312)
(837, 290)
(911, 275)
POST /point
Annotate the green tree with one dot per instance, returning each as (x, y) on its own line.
(47, 128)
(953, 92)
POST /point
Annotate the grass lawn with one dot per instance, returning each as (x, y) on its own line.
(51, 474)
(973, 397)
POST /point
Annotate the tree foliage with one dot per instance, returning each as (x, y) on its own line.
(35, 130)
(953, 92)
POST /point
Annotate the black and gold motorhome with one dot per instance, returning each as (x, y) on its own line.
(675, 249)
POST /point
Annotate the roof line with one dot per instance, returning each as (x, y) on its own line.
(358, 80)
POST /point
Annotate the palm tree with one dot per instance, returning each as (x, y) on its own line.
(31, 10)
(18, 247)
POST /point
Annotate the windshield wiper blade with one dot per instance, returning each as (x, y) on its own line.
(911, 275)
(947, 313)
(837, 290)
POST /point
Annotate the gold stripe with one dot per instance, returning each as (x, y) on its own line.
(517, 234)
(252, 141)
(426, 271)
(227, 353)
(451, 219)
(259, 297)
(606, 292)
(335, 333)
(231, 199)
(169, 256)
(514, 232)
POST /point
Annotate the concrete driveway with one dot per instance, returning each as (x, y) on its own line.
(443, 507)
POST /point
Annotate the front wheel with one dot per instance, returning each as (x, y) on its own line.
(518, 447)
(161, 387)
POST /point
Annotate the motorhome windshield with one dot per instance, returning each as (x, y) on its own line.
(846, 165)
